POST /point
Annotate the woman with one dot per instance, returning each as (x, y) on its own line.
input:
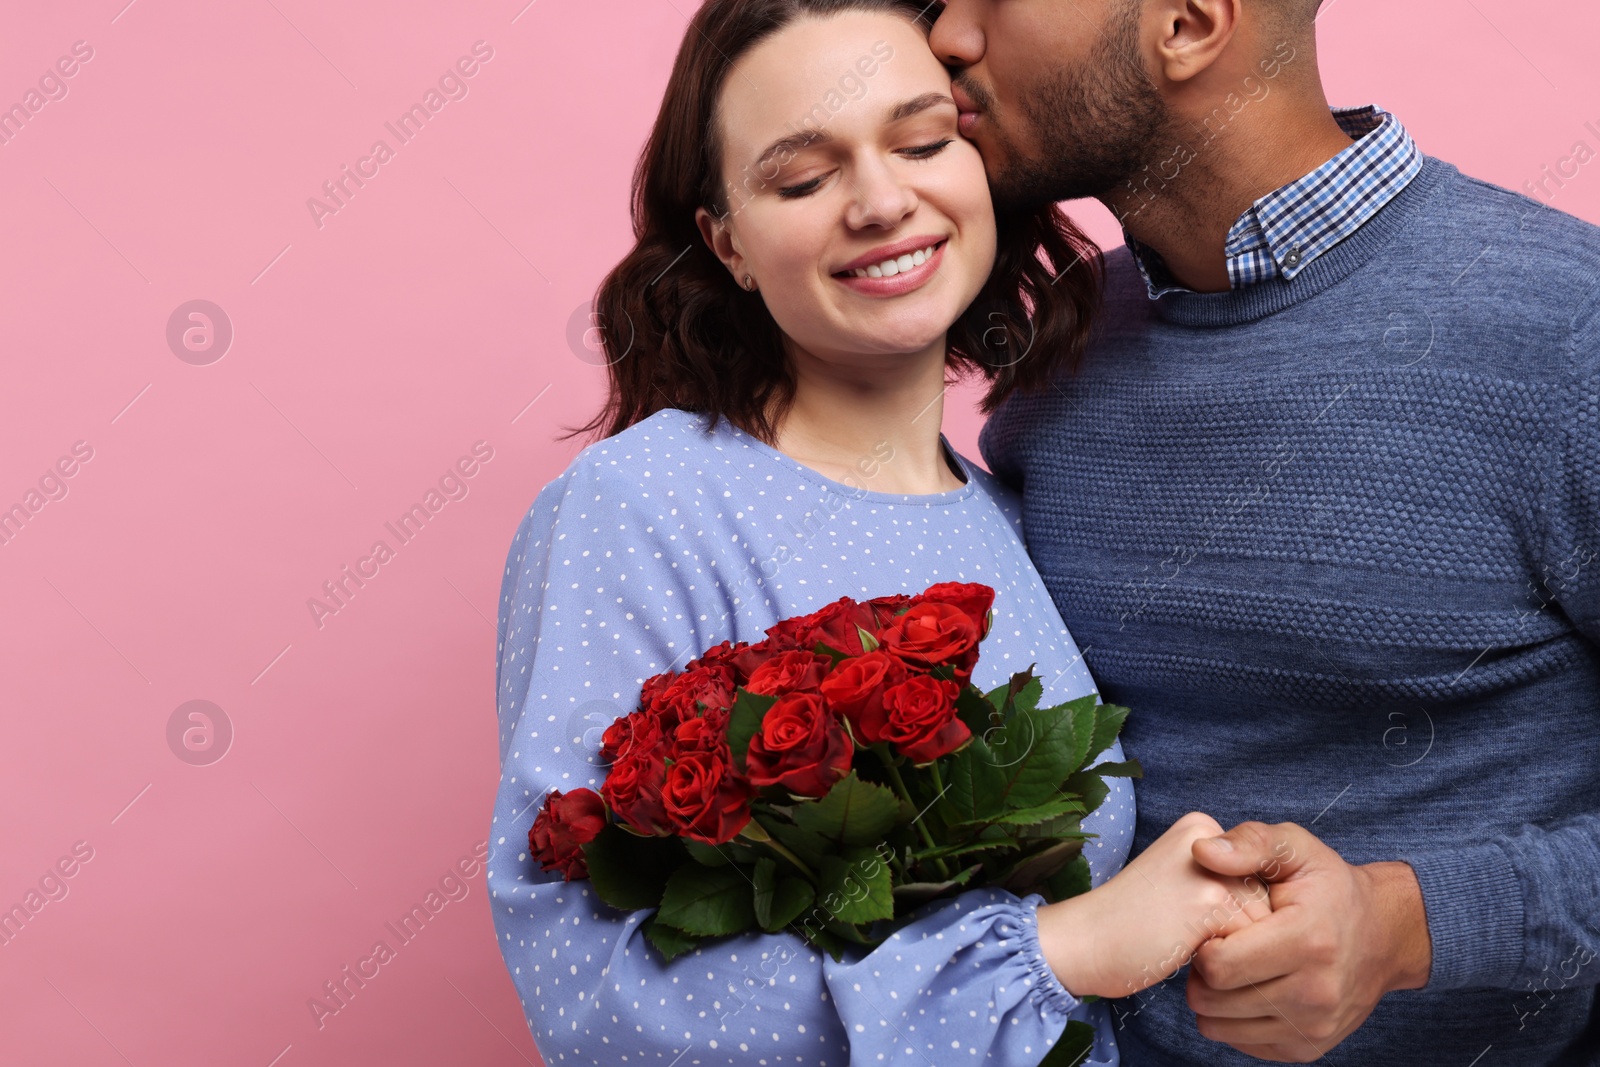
(816, 246)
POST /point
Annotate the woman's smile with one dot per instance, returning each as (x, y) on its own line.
(894, 269)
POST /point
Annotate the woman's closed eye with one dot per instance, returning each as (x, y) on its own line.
(917, 152)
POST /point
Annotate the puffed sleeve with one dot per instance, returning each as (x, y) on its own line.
(603, 588)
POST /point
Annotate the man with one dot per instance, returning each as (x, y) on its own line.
(1323, 507)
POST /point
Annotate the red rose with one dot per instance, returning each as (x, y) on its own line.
(706, 732)
(837, 626)
(934, 633)
(922, 721)
(788, 672)
(855, 688)
(633, 790)
(726, 653)
(800, 746)
(970, 597)
(711, 686)
(566, 822)
(654, 686)
(751, 658)
(885, 608)
(637, 730)
(705, 798)
(785, 634)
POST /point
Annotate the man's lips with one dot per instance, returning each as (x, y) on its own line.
(970, 111)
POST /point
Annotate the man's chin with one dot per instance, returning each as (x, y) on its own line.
(1017, 183)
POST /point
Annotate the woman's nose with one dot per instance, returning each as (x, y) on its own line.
(880, 197)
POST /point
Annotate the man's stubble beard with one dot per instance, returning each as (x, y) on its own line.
(1093, 126)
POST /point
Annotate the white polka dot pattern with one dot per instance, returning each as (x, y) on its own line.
(652, 546)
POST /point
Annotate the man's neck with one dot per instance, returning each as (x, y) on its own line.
(1186, 217)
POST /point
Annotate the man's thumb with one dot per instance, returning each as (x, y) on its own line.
(1249, 848)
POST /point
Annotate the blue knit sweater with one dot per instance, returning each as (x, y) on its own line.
(1336, 541)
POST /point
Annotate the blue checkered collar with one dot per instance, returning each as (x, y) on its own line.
(1284, 231)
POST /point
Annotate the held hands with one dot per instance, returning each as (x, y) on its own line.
(1146, 922)
(1301, 979)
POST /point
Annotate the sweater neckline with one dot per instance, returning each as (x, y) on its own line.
(1268, 297)
(870, 496)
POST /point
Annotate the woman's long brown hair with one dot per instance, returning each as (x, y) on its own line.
(677, 330)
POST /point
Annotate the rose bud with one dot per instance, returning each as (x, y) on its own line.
(566, 823)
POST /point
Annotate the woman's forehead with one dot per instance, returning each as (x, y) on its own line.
(844, 72)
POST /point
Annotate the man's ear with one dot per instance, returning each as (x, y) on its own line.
(719, 238)
(1193, 34)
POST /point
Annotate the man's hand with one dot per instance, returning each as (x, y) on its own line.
(1144, 923)
(1294, 984)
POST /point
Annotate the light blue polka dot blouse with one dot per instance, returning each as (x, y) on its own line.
(652, 546)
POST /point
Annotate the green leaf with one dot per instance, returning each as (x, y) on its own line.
(822, 648)
(1035, 750)
(976, 711)
(1069, 881)
(708, 901)
(1062, 804)
(1085, 714)
(1029, 874)
(964, 849)
(856, 887)
(792, 899)
(853, 813)
(628, 871)
(827, 941)
(976, 784)
(1025, 691)
(1088, 785)
(765, 877)
(868, 642)
(911, 894)
(779, 901)
(809, 846)
(668, 940)
(1126, 769)
(1073, 1047)
(1107, 724)
(720, 855)
(744, 722)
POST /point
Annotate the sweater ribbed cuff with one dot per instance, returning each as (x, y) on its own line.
(1475, 916)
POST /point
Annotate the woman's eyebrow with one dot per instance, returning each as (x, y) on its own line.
(813, 135)
(917, 104)
(793, 143)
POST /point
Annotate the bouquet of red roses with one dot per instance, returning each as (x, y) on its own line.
(833, 777)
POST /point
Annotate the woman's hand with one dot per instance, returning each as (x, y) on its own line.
(1146, 922)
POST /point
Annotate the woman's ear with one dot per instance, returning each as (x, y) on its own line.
(1193, 35)
(719, 238)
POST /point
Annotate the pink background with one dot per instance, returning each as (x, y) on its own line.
(429, 313)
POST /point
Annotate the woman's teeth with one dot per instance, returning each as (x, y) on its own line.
(890, 267)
